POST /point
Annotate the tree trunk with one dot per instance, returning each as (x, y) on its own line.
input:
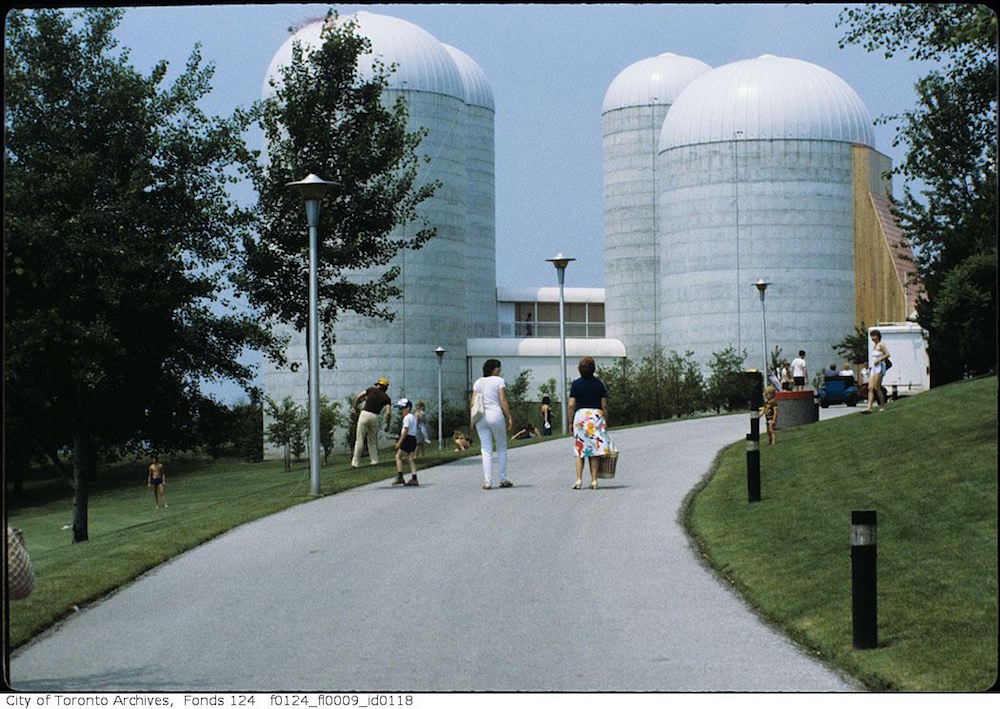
(83, 462)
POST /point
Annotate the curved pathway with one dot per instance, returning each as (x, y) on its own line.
(447, 587)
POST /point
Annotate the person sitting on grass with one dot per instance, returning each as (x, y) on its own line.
(407, 443)
(462, 443)
(527, 431)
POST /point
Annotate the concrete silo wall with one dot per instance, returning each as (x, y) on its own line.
(792, 200)
(631, 255)
(480, 252)
(432, 311)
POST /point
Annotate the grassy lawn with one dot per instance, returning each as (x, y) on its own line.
(928, 466)
(128, 537)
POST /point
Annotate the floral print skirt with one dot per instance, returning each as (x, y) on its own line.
(590, 433)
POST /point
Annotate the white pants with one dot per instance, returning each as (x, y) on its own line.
(368, 425)
(492, 427)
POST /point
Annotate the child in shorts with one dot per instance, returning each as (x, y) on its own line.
(406, 445)
(770, 412)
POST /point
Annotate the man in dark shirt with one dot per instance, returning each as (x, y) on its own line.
(376, 400)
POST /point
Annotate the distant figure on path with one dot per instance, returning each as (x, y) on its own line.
(376, 400)
(546, 416)
(423, 436)
(880, 353)
(588, 405)
(492, 432)
(800, 371)
(406, 445)
(157, 479)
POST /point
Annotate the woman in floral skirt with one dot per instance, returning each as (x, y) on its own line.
(588, 405)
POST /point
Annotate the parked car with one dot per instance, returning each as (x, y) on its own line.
(839, 389)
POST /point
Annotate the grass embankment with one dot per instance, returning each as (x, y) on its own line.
(928, 466)
(127, 537)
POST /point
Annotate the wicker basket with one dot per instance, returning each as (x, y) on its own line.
(606, 464)
(20, 580)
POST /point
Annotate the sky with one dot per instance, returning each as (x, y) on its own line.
(549, 67)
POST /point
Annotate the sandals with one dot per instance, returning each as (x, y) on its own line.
(593, 485)
(576, 485)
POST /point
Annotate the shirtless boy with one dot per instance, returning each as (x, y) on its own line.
(157, 480)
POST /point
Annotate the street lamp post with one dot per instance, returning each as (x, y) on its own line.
(762, 285)
(440, 355)
(312, 190)
(560, 262)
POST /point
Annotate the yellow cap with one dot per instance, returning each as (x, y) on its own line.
(382, 381)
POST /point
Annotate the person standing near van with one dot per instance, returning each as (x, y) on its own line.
(880, 354)
(800, 372)
(376, 400)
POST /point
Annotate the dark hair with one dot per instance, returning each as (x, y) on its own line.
(802, 353)
(587, 367)
(489, 366)
(545, 400)
(875, 332)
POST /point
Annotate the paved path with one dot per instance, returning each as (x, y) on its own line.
(447, 587)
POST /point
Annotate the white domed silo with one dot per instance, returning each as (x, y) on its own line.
(480, 252)
(635, 105)
(432, 310)
(756, 166)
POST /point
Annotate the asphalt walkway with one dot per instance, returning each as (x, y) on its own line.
(447, 587)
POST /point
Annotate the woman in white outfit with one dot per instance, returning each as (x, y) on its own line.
(491, 427)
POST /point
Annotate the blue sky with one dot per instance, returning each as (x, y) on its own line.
(549, 67)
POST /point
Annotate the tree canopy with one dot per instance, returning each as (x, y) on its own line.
(118, 230)
(326, 118)
(951, 137)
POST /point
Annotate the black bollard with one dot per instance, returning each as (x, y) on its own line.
(864, 606)
(753, 438)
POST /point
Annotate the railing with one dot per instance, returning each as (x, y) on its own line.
(551, 329)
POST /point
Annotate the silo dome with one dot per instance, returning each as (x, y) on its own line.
(451, 278)
(767, 98)
(423, 64)
(656, 79)
(635, 105)
(477, 87)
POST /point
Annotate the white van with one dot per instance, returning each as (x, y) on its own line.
(911, 368)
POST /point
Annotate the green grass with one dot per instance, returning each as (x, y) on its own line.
(928, 466)
(127, 537)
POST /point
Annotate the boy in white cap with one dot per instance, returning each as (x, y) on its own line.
(407, 443)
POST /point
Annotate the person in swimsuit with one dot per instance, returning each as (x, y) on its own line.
(157, 480)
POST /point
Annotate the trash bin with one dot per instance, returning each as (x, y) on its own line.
(795, 408)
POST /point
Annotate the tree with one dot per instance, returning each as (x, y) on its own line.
(854, 347)
(117, 234)
(325, 118)
(517, 390)
(951, 137)
(727, 387)
(287, 428)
